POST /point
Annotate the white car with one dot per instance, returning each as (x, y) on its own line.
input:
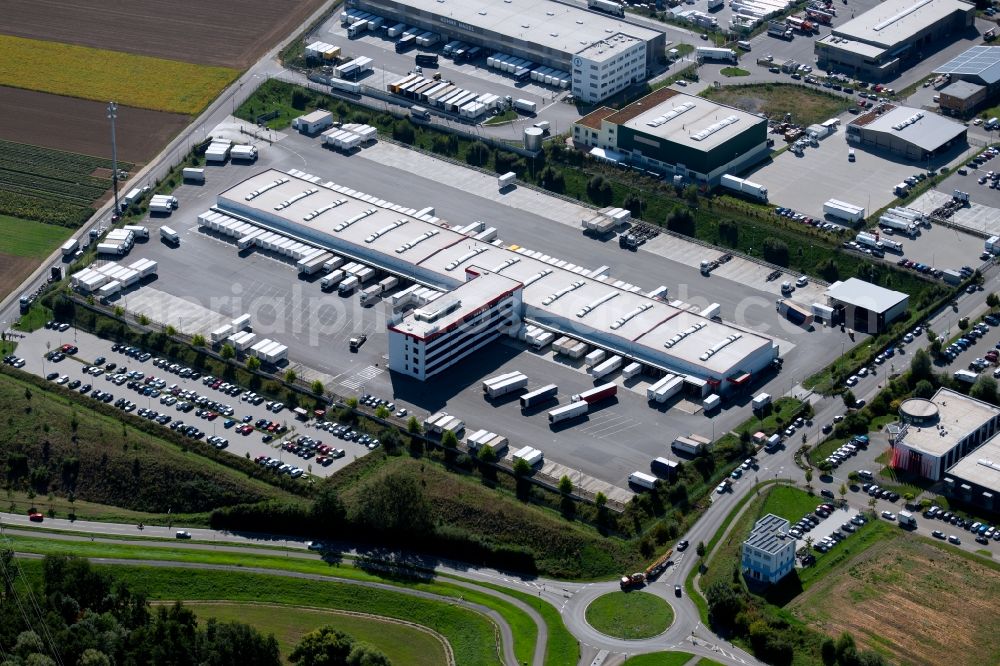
(862, 372)
(908, 338)
(889, 515)
(802, 281)
(62, 380)
(852, 380)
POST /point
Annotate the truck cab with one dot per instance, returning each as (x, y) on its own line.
(357, 341)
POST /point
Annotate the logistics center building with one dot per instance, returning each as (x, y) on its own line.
(712, 356)
(886, 39)
(975, 479)
(935, 434)
(769, 552)
(604, 54)
(912, 133)
(678, 134)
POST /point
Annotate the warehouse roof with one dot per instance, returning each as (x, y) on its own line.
(895, 21)
(594, 118)
(981, 467)
(854, 46)
(608, 47)
(865, 295)
(684, 119)
(456, 305)
(923, 129)
(768, 534)
(958, 416)
(979, 62)
(557, 26)
(962, 89)
(558, 294)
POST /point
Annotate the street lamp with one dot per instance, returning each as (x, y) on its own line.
(112, 115)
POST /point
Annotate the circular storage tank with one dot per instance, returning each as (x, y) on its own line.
(918, 412)
(533, 138)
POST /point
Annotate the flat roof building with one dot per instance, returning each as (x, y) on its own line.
(915, 134)
(679, 134)
(864, 306)
(888, 38)
(603, 53)
(769, 552)
(935, 434)
(975, 479)
(974, 80)
(555, 295)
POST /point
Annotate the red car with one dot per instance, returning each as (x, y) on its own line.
(35, 517)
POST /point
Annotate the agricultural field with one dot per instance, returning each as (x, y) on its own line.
(401, 643)
(225, 33)
(915, 601)
(133, 80)
(81, 126)
(806, 105)
(22, 244)
(50, 185)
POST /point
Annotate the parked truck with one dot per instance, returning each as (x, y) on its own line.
(992, 245)
(744, 187)
(539, 396)
(906, 520)
(331, 280)
(426, 60)
(779, 30)
(664, 467)
(348, 285)
(687, 445)
(70, 246)
(507, 386)
(596, 394)
(606, 367)
(567, 412)
(506, 180)
(794, 312)
(525, 106)
(642, 480)
(169, 235)
(607, 6)
(138, 231)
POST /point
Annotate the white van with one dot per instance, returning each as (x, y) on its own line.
(743, 44)
(850, 154)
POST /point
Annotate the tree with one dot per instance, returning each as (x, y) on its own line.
(963, 323)
(700, 549)
(843, 491)
(413, 426)
(449, 440)
(144, 320)
(382, 412)
(395, 505)
(478, 155)
(317, 387)
(828, 270)
(170, 330)
(872, 503)
(198, 340)
(809, 477)
(521, 467)
(565, 485)
(775, 251)
(633, 203)
(253, 364)
(327, 509)
(691, 195)
(992, 300)
(725, 603)
(323, 647)
(599, 190)
(227, 352)
(680, 220)
(290, 376)
(985, 389)
(849, 399)
(402, 131)
(828, 652)
(552, 179)
(923, 389)
(119, 311)
(601, 500)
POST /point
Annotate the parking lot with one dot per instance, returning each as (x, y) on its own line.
(941, 247)
(34, 347)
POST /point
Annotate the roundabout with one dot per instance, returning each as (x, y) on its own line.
(630, 615)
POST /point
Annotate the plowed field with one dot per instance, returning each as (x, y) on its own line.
(915, 601)
(230, 33)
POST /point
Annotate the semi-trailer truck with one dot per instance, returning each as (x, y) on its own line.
(570, 411)
(507, 386)
(745, 187)
(70, 246)
(597, 394)
(794, 312)
(426, 60)
(539, 396)
(348, 285)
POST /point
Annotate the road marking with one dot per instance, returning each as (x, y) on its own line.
(362, 377)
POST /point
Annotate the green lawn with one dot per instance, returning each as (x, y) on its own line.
(660, 659)
(26, 238)
(789, 503)
(34, 319)
(705, 661)
(733, 71)
(630, 615)
(807, 105)
(402, 644)
(504, 117)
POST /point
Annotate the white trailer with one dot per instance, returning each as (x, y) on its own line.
(244, 153)
(665, 389)
(529, 455)
(568, 411)
(487, 383)
(110, 289)
(643, 480)
(222, 332)
(331, 280)
(388, 283)
(843, 210)
(713, 311)
(631, 370)
(688, 445)
(525, 106)
(70, 246)
(242, 323)
(744, 187)
(507, 386)
(595, 357)
(606, 367)
(138, 231)
(160, 206)
(332, 264)
(169, 235)
(760, 401)
(111, 248)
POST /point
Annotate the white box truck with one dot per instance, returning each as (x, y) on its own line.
(642, 480)
(169, 235)
(194, 175)
(70, 246)
(506, 180)
(348, 285)
(569, 411)
(331, 280)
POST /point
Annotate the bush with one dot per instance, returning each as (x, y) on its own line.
(776, 251)
(478, 155)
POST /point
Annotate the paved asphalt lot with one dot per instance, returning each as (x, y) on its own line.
(32, 349)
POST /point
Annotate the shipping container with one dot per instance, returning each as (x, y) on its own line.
(760, 401)
(529, 455)
(711, 402)
(687, 445)
(631, 370)
(569, 411)
(539, 396)
(795, 313)
(595, 357)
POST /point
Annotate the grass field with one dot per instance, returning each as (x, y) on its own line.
(660, 659)
(470, 634)
(630, 615)
(733, 71)
(402, 644)
(109, 462)
(49, 186)
(26, 238)
(133, 80)
(806, 105)
(913, 600)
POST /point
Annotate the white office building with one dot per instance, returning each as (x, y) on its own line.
(608, 66)
(769, 552)
(440, 334)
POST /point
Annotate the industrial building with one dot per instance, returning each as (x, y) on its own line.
(974, 78)
(438, 335)
(604, 54)
(769, 552)
(911, 133)
(712, 356)
(888, 38)
(935, 434)
(864, 306)
(975, 479)
(677, 134)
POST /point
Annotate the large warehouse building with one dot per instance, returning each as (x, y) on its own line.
(604, 54)
(864, 306)
(911, 133)
(676, 134)
(935, 434)
(975, 479)
(566, 299)
(887, 39)
(974, 79)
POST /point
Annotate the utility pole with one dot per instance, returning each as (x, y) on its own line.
(112, 114)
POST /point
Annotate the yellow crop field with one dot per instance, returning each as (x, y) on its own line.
(97, 74)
